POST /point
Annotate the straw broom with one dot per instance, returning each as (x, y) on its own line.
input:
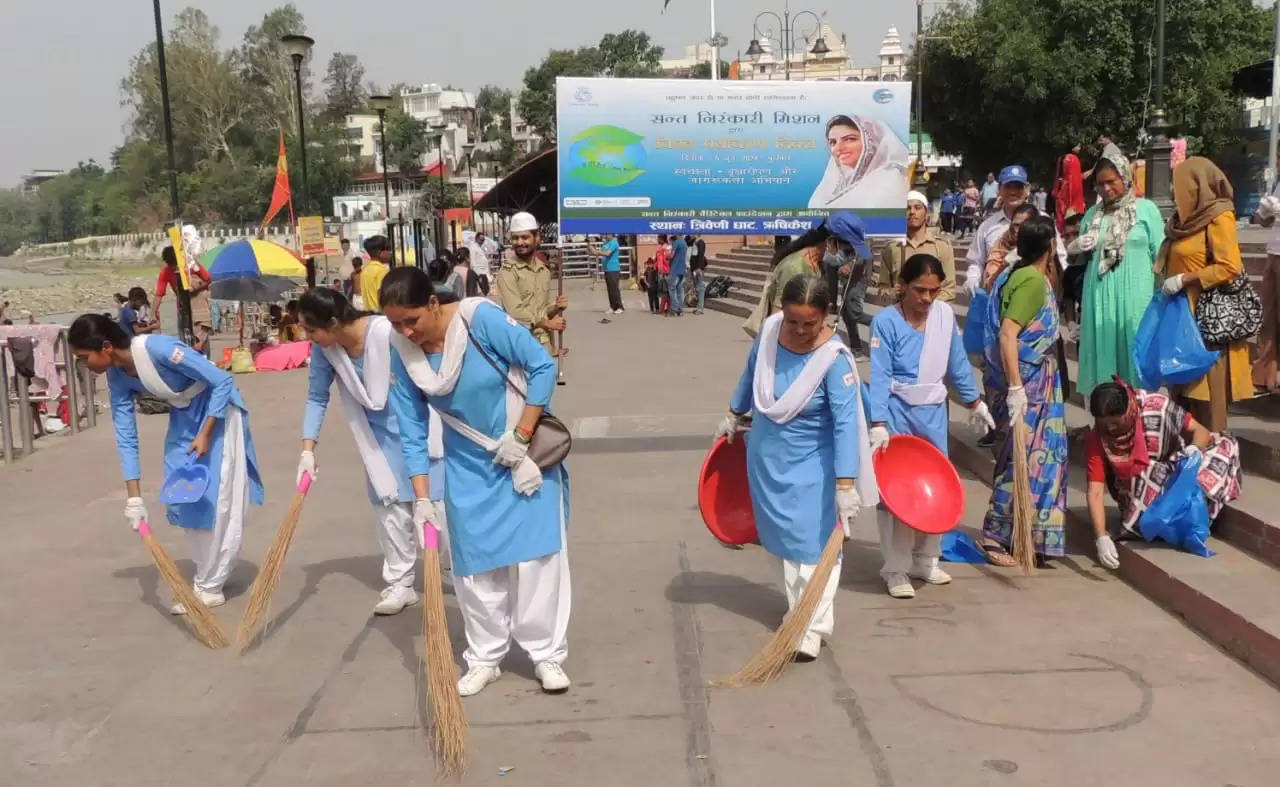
(778, 652)
(264, 585)
(448, 721)
(202, 622)
(1024, 513)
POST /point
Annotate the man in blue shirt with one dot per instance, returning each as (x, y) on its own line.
(610, 255)
(133, 317)
(990, 191)
(675, 279)
(948, 212)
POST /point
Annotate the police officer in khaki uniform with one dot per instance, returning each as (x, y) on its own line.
(524, 283)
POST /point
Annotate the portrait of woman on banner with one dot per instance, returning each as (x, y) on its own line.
(867, 166)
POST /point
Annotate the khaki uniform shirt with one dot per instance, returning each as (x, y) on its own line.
(524, 290)
(894, 255)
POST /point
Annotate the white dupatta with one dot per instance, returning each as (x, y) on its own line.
(782, 410)
(154, 383)
(526, 477)
(369, 394)
(934, 356)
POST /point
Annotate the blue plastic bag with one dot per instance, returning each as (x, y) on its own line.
(1146, 350)
(1168, 348)
(959, 547)
(1183, 357)
(1180, 516)
(975, 322)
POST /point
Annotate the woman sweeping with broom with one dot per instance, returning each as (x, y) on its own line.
(207, 420)
(1023, 380)
(915, 345)
(490, 380)
(808, 460)
(355, 348)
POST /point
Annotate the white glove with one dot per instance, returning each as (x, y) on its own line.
(1105, 264)
(306, 464)
(424, 513)
(1069, 331)
(848, 504)
(1173, 285)
(511, 451)
(1269, 207)
(1107, 554)
(1017, 401)
(878, 437)
(972, 278)
(980, 417)
(1191, 451)
(135, 512)
(728, 427)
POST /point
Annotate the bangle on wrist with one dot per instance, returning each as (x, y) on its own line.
(523, 435)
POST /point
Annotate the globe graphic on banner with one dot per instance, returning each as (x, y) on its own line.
(607, 156)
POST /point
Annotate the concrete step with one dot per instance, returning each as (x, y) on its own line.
(737, 273)
(1227, 598)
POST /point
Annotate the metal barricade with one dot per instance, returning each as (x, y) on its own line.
(6, 428)
(80, 387)
(580, 263)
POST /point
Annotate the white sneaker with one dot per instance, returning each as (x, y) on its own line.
(934, 575)
(618, 311)
(810, 647)
(899, 586)
(476, 679)
(552, 677)
(394, 599)
(210, 600)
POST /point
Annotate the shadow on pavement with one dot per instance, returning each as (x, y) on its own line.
(764, 604)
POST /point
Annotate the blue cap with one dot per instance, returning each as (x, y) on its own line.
(848, 227)
(1014, 173)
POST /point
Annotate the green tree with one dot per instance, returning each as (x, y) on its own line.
(703, 70)
(344, 95)
(15, 220)
(1027, 79)
(269, 72)
(493, 110)
(625, 54)
(407, 140)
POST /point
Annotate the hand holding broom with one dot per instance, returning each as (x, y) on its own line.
(449, 721)
(202, 622)
(264, 585)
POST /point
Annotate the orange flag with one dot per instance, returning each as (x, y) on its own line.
(281, 193)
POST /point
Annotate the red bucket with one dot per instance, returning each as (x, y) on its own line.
(919, 485)
(724, 497)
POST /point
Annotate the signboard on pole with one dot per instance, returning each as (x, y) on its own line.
(175, 240)
(645, 156)
(332, 246)
(311, 236)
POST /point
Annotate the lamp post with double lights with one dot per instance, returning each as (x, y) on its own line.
(380, 105)
(786, 23)
(1159, 178)
(444, 226)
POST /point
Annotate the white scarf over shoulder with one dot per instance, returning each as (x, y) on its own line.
(370, 394)
(934, 356)
(154, 383)
(792, 402)
(526, 477)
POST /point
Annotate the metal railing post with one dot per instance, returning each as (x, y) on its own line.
(90, 396)
(24, 415)
(6, 426)
(72, 383)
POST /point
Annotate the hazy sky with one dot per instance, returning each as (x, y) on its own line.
(63, 59)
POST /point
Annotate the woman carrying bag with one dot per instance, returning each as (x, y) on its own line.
(1201, 255)
(489, 380)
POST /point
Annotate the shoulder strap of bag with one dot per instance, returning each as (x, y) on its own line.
(494, 364)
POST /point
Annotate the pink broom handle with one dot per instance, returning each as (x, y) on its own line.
(304, 483)
(430, 537)
(144, 529)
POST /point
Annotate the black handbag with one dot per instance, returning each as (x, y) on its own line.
(551, 437)
(1230, 312)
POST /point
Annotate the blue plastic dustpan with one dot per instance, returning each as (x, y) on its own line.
(185, 484)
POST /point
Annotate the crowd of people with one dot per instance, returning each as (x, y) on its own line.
(445, 390)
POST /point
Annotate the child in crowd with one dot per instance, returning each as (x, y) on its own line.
(652, 286)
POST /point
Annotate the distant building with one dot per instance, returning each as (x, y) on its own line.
(439, 106)
(527, 140)
(683, 67)
(364, 145)
(833, 64)
(33, 180)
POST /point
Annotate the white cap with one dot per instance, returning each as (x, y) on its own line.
(523, 222)
(915, 196)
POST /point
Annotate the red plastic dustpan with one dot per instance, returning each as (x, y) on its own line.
(723, 495)
(919, 485)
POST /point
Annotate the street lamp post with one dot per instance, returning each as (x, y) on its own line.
(441, 129)
(186, 331)
(787, 37)
(298, 47)
(1159, 177)
(920, 180)
(381, 104)
(470, 148)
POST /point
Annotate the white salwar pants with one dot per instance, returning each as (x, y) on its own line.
(528, 602)
(214, 551)
(906, 550)
(398, 540)
(795, 578)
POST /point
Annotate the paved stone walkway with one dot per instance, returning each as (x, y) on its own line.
(1067, 678)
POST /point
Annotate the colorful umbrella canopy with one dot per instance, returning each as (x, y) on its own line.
(252, 258)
